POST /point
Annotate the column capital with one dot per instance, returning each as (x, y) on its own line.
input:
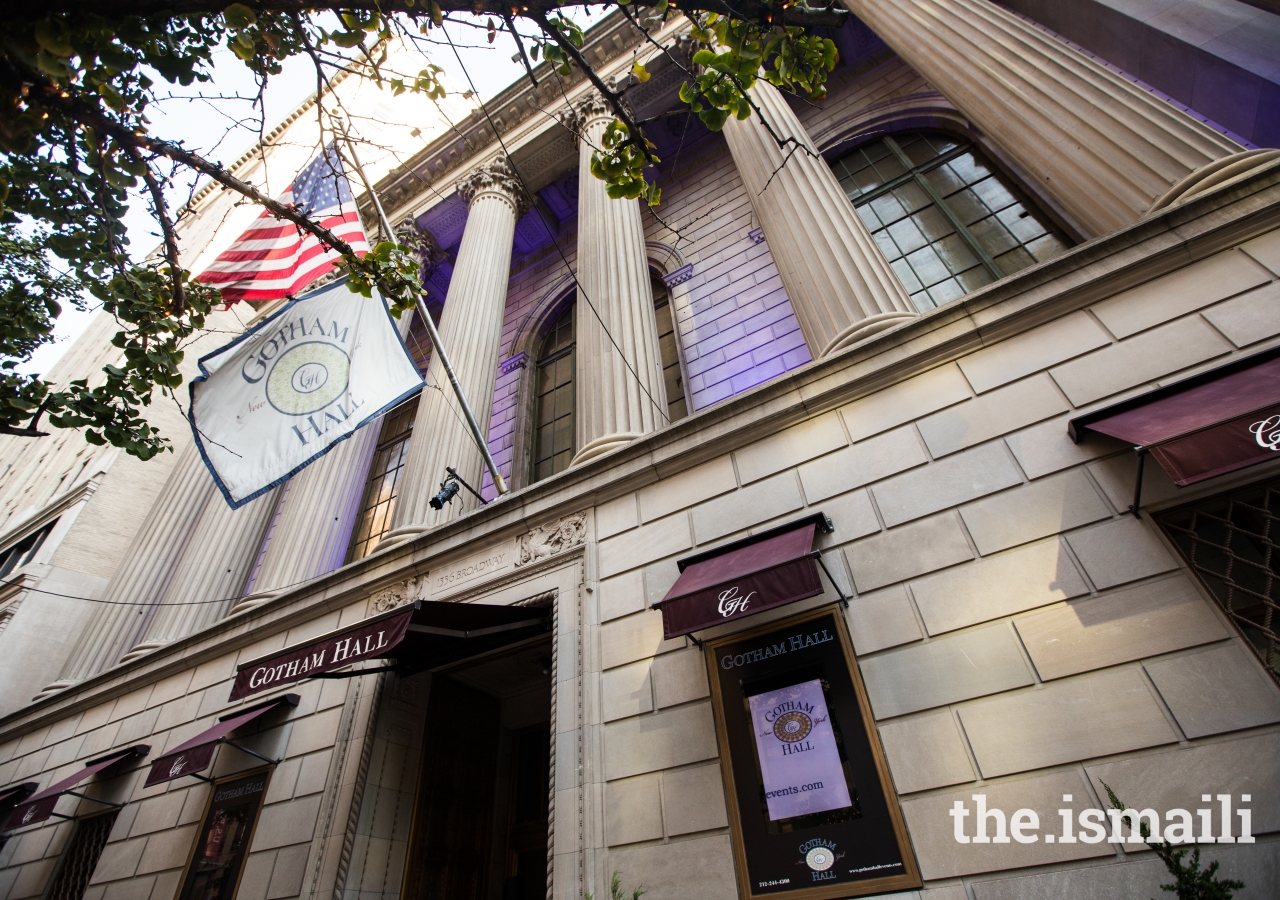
(423, 245)
(587, 111)
(497, 176)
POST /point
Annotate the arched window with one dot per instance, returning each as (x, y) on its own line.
(672, 376)
(947, 221)
(554, 399)
(555, 394)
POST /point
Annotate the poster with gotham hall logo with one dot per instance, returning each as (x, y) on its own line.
(799, 760)
(283, 394)
(812, 812)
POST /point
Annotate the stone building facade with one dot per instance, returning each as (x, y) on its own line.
(987, 232)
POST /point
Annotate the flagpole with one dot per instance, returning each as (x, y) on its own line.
(434, 335)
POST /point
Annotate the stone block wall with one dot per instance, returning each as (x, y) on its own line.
(735, 322)
(152, 837)
(1020, 634)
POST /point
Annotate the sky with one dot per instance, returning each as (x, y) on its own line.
(207, 118)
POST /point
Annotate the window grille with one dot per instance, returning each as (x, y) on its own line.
(81, 857)
(554, 387)
(380, 494)
(23, 551)
(946, 220)
(1233, 544)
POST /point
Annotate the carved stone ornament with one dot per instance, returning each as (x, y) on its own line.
(399, 594)
(496, 175)
(585, 111)
(429, 252)
(548, 540)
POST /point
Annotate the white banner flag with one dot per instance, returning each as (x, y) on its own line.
(280, 396)
(799, 759)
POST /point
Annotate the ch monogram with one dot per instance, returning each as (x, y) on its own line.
(731, 603)
(1267, 432)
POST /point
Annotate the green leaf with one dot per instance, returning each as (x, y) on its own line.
(52, 37)
(238, 16)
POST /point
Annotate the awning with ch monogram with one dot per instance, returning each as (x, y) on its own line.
(757, 573)
(1210, 424)
(195, 755)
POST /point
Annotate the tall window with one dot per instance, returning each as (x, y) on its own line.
(22, 552)
(667, 337)
(945, 219)
(380, 495)
(553, 427)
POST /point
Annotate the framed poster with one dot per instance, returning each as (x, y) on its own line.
(811, 806)
(226, 833)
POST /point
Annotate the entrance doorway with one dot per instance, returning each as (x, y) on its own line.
(480, 820)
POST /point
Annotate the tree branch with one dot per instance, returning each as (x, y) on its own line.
(524, 58)
(82, 112)
(749, 10)
(614, 98)
(179, 304)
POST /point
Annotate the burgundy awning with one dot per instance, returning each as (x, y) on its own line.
(1211, 424)
(196, 754)
(40, 807)
(419, 635)
(745, 577)
(17, 792)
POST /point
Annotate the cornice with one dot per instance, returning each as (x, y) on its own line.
(51, 510)
(440, 162)
(1151, 246)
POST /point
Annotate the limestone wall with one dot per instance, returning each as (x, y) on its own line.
(1018, 632)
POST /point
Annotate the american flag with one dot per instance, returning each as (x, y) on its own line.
(276, 259)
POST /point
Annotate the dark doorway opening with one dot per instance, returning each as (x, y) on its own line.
(480, 820)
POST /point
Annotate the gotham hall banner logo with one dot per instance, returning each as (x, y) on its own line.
(799, 758)
(283, 394)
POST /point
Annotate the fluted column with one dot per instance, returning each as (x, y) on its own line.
(314, 528)
(619, 387)
(209, 577)
(1103, 148)
(471, 329)
(838, 281)
(144, 573)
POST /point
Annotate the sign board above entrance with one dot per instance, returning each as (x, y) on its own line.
(419, 634)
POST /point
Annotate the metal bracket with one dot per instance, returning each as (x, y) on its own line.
(817, 554)
(94, 799)
(355, 674)
(266, 759)
(701, 644)
(1137, 486)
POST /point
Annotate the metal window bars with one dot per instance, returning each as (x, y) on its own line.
(81, 857)
(1231, 542)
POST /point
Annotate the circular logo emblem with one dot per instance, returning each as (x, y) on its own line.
(792, 727)
(819, 859)
(307, 378)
